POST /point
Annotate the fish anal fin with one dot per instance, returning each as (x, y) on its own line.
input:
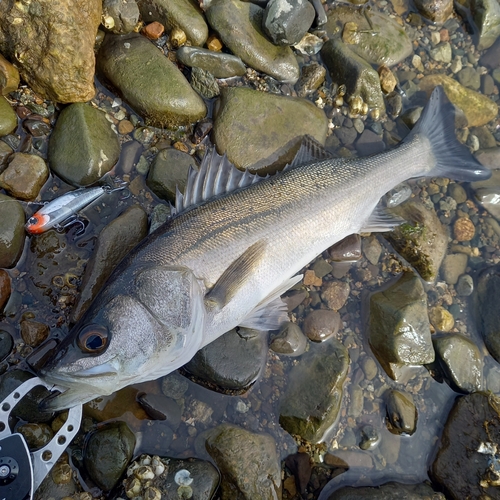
(235, 276)
(271, 312)
(380, 221)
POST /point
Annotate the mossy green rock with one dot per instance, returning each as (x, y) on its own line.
(477, 108)
(399, 329)
(239, 24)
(486, 309)
(486, 15)
(312, 401)
(8, 117)
(248, 462)
(82, 147)
(263, 131)
(169, 170)
(219, 64)
(422, 240)
(107, 453)
(115, 241)
(148, 81)
(183, 14)
(461, 360)
(12, 221)
(384, 42)
(347, 68)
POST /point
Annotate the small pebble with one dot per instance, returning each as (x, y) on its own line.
(125, 127)
(321, 324)
(465, 285)
(441, 319)
(153, 30)
(463, 229)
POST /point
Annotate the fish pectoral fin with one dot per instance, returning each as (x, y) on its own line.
(234, 277)
(380, 221)
(271, 312)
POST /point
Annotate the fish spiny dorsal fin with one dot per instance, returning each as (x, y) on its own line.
(216, 176)
(310, 150)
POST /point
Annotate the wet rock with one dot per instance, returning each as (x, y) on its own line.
(486, 15)
(300, 467)
(250, 145)
(153, 30)
(491, 58)
(168, 171)
(36, 435)
(461, 360)
(6, 344)
(25, 176)
(422, 240)
(290, 340)
(174, 385)
(5, 152)
(463, 461)
(120, 16)
(487, 192)
(33, 332)
(372, 249)
(457, 192)
(346, 250)
(8, 118)
(248, 462)
(54, 62)
(469, 77)
(115, 241)
(388, 81)
(181, 14)
(437, 11)
(486, 308)
(98, 148)
(321, 324)
(5, 288)
(379, 41)
(311, 77)
(477, 108)
(312, 401)
(28, 409)
(387, 491)
(286, 23)
(399, 326)
(239, 25)
(12, 221)
(231, 362)
(463, 229)
(335, 294)
(148, 81)
(370, 437)
(401, 412)
(349, 69)
(9, 76)
(219, 64)
(369, 143)
(486, 138)
(465, 285)
(107, 453)
(442, 52)
(454, 265)
(369, 368)
(160, 407)
(441, 319)
(204, 83)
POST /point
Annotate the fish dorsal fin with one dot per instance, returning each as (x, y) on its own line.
(310, 150)
(234, 277)
(216, 176)
(380, 221)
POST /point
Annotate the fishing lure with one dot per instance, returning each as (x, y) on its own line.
(61, 212)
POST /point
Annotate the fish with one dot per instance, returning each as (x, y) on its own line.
(234, 245)
(61, 211)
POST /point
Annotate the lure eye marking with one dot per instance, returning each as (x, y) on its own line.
(37, 224)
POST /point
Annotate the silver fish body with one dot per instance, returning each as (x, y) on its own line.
(225, 262)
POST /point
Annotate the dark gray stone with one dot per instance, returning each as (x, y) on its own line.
(286, 22)
(12, 221)
(219, 64)
(290, 341)
(120, 16)
(401, 412)
(232, 362)
(399, 326)
(312, 400)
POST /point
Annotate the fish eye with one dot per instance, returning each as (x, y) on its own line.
(93, 338)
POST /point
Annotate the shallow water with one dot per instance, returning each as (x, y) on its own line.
(45, 282)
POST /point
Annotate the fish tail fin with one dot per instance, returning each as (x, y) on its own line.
(451, 158)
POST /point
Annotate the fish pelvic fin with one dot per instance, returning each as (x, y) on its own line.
(452, 159)
(271, 312)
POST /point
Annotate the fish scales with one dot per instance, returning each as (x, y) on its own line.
(225, 262)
